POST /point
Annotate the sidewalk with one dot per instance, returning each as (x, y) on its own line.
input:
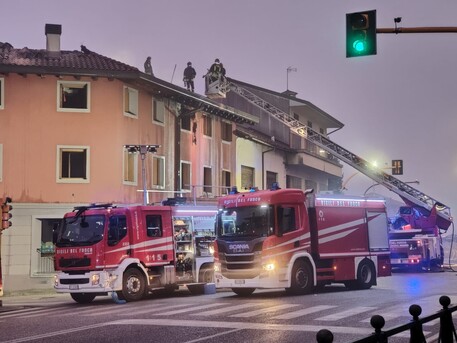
(23, 299)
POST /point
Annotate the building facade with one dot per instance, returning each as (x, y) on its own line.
(67, 122)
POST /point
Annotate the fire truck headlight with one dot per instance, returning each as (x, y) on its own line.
(269, 267)
(211, 250)
(217, 267)
(56, 280)
(95, 279)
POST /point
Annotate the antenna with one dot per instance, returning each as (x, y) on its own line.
(173, 74)
(289, 69)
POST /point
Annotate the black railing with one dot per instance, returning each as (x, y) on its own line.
(447, 332)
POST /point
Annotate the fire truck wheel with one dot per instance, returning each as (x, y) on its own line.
(301, 279)
(83, 298)
(134, 285)
(206, 275)
(366, 276)
(243, 292)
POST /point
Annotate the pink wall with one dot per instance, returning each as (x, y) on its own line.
(31, 128)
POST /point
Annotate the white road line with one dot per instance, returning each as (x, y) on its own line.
(16, 313)
(388, 316)
(263, 310)
(154, 309)
(225, 309)
(190, 309)
(345, 314)
(244, 326)
(303, 312)
(213, 336)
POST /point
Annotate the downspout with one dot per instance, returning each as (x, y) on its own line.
(263, 166)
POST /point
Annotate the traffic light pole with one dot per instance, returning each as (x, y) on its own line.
(436, 29)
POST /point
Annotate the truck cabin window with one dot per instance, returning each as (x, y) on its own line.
(255, 221)
(117, 229)
(154, 226)
(286, 219)
(80, 230)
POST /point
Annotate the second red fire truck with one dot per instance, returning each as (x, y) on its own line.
(273, 239)
(132, 250)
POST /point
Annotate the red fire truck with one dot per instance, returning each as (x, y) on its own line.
(415, 239)
(273, 239)
(133, 250)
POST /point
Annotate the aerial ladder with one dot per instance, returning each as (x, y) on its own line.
(410, 195)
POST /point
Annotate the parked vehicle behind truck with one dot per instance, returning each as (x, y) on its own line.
(133, 250)
(273, 239)
(415, 239)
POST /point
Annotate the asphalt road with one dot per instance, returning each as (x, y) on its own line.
(266, 316)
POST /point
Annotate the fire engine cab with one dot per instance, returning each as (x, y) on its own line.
(273, 239)
(133, 250)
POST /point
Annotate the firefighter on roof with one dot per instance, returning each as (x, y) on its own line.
(189, 76)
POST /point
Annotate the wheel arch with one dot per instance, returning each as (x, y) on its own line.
(306, 257)
(126, 264)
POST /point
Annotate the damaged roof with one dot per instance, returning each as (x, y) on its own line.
(87, 63)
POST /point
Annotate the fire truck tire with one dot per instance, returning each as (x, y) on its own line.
(366, 276)
(301, 279)
(243, 292)
(133, 285)
(206, 275)
(83, 298)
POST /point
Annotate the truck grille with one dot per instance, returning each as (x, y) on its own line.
(240, 266)
(74, 281)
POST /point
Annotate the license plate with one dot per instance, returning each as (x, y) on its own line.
(239, 282)
(74, 286)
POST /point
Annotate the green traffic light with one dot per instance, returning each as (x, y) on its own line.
(359, 46)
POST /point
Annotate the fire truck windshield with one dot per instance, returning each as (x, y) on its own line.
(81, 230)
(254, 221)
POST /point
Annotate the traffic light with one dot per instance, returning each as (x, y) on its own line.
(6, 215)
(361, 33)
(397, 167)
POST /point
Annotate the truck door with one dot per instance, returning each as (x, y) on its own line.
(117, 243)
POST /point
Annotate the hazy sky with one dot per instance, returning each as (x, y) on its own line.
(398, 104)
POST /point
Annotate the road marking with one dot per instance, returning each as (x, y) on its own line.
(263, 310)
(190, 309)
(213, 336)
(303, 312)
(225, 309)
(345, 314)
(244, 326)
(154, 309)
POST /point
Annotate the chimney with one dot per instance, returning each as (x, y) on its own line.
(53, 32)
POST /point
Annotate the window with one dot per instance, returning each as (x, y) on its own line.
(226, 133)
(185, 175)
(154, 226)
(130, 168)
(226, 182)
(286, 219)
(158, 171)
(73, 164)
(117, 229)
(271, 178)
(130, 102)
(73, 96)
(2, 93)
(207, 126)
(158, 111)
(247, 177)
(185, 123)
(207, 180)
(322, 131)
(296, 116)
(310, 124)
(293, 182)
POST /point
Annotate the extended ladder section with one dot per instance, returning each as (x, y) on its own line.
(409, 194)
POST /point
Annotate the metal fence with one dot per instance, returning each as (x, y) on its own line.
(447, 332)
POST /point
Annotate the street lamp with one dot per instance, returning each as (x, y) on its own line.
(142, 150)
